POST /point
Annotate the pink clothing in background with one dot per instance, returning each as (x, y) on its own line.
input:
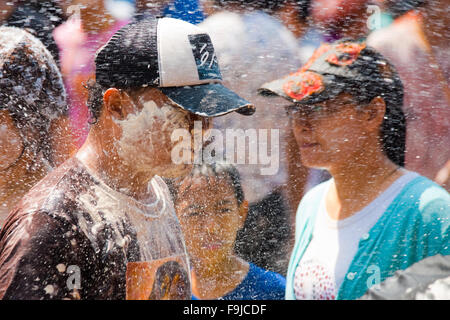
(77, 54)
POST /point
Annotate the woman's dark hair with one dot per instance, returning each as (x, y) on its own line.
(95, 99)
(385, 83)
(217, 170)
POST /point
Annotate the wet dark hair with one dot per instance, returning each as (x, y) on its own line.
(95, 99)
(31, 88)
(217, 170)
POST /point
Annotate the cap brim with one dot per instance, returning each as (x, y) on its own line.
(208, 100)
(331, 90)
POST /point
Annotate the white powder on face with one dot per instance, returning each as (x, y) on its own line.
(145, 143)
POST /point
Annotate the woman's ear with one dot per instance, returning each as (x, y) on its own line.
(374, 113)
(118, 103)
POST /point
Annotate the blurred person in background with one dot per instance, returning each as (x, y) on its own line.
(38, 17)
(253, 40)
(211, 208)
(418, 44)
(32, 101)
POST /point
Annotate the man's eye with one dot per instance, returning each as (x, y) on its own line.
(224, 210)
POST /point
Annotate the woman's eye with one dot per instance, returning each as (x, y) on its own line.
(224, 210)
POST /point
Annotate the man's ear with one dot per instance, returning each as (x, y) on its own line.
(118, 103)
(374, 113)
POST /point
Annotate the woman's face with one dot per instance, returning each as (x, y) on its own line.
(11, 144)
(210, 217)
(328, 133)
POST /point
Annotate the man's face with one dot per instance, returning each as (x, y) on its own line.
(145, 142)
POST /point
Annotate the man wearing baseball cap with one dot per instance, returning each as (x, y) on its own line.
(101, 225)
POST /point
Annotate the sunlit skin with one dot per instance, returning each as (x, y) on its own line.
(344, 139)
(210, 217)
(16, 159)
(100, 154)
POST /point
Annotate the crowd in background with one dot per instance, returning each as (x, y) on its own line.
(256, 41)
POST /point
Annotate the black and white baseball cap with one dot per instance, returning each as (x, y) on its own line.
(173, 55)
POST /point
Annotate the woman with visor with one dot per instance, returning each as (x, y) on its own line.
(373, 217)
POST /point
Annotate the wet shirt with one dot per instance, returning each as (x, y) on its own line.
(72, 236)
